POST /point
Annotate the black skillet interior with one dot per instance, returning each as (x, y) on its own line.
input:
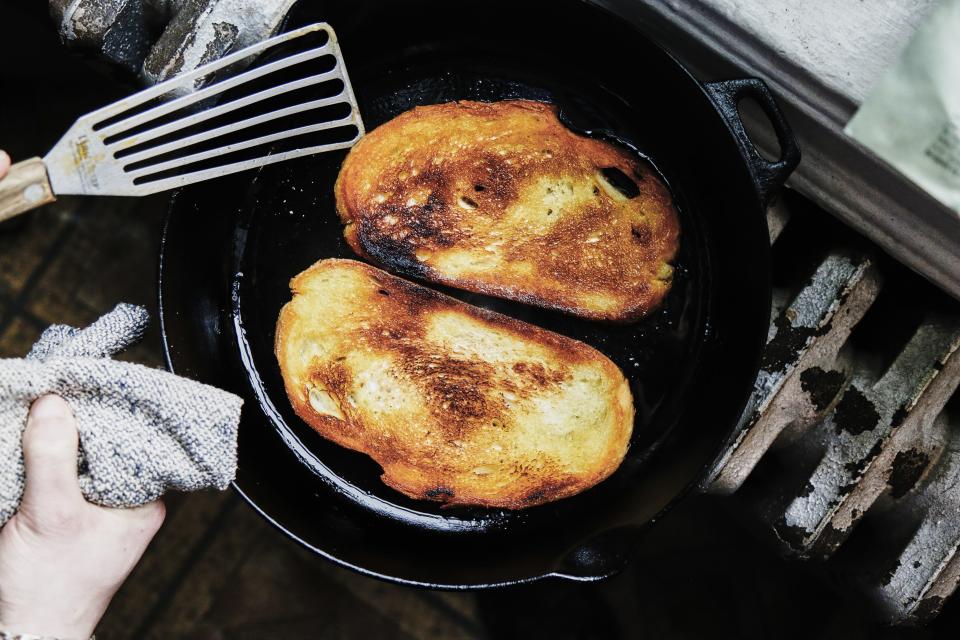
(232, 245)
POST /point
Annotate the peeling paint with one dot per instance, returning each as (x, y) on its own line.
(822, 386)
(908, 466)
(855, 414)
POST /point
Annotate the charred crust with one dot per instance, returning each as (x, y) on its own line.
(463, 394)
(536, 496)
(641, 233)
(538, 374)
(332, 376)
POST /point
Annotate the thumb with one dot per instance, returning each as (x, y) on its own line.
(4, 163)
(50, 444)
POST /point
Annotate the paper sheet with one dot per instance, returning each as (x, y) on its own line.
(912, 117)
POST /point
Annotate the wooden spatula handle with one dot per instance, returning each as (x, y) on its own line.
(25, 187)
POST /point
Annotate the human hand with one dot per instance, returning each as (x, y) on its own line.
(4, 163)
(62, 558)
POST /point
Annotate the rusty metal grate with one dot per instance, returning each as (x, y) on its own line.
(847, 422)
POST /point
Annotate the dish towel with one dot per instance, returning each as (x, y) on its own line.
(143, 431)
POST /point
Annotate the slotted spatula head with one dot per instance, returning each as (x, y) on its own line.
(297, 101)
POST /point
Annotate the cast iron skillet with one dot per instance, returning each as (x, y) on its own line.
(231, 246)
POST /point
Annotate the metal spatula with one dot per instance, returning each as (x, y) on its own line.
(174, 134)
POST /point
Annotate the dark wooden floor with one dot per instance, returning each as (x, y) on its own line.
(216, 570)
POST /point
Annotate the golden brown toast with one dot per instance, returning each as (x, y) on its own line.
(502, 199)
(457, 404)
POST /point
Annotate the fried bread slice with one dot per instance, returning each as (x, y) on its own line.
(458, 404)
(502, 199)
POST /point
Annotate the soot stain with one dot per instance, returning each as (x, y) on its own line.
(786, 344)
(928, 607)
(887, 575)
(791, 534)
(822, 386)
(830, 538)
(855, 470)
(855, 414)
(898, 417)
(906, 470)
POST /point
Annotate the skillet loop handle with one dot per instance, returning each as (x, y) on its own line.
(768, 176)
(602, 556)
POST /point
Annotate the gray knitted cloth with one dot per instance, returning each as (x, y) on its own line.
(142, 431)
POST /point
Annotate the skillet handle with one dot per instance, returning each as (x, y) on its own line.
(768, 176)
(600, 557)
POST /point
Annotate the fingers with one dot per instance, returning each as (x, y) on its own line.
(4, 163)
(52, 497)
(50, 444)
